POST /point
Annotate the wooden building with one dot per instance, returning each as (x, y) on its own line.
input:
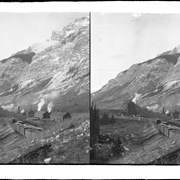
(176, 114)
(67, 116)
(39, 114)
(31, 113)
(46, 115)
(59, 116)
(56, 116)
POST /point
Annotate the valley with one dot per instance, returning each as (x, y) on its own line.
(44, 98)
(142, 142)
(57, 136)
(138, 114)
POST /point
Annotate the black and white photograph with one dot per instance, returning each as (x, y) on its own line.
(135, 88)
(89, 90)
(44, 88)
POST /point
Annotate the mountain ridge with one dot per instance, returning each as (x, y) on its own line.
(156, 80)
(53, 72)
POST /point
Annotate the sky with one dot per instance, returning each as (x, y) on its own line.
(119, 40)
(20, 30)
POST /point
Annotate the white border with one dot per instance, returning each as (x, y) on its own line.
(90, 172)
(122, 7)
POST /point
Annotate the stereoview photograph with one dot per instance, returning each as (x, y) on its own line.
(135, 89)
(44, 88)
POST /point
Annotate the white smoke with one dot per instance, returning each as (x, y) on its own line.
(136, 98)
(153, 108)
(49, 107)
(167, 112)
(22, 111)
(8, 107)
(41, 103)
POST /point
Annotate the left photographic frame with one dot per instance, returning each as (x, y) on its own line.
(44, 88)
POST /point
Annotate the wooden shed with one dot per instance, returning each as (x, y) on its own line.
(176, 114)
(31, 113)
(59, 116)
(67, 116)
(158, 121)
(46, 115)
(39, 114)
(56, 116)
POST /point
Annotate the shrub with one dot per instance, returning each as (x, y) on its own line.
(105, 120)
(113, 119)
(71, 126)
(117, 148)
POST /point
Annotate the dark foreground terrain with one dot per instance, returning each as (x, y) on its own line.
(140, 142)
(60, 142)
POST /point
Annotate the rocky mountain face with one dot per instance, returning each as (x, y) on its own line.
(51, 75)
(153, 84)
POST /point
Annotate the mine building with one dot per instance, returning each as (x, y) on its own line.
(31, 113)
(59, 116)
(176, 114)
(67, 116)
(158, 121)
(14, 120)
(46, 115)
(24, 113)
(39, 114)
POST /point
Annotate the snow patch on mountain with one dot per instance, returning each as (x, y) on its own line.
(168, 85)
(68, 33)
(25, 83)
(136, 98)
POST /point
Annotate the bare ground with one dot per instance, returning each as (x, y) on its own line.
(141, 139)
(67, 142)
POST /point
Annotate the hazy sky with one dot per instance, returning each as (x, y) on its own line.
(20, 30)
(121, 40)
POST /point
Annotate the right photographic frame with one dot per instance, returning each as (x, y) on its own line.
(135, 89)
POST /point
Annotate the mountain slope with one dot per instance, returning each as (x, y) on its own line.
(52, 74)
(153, 84)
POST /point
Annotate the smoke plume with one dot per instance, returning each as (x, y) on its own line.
(41, 103)
(8, 107)
(22, 111)
(49, 107)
